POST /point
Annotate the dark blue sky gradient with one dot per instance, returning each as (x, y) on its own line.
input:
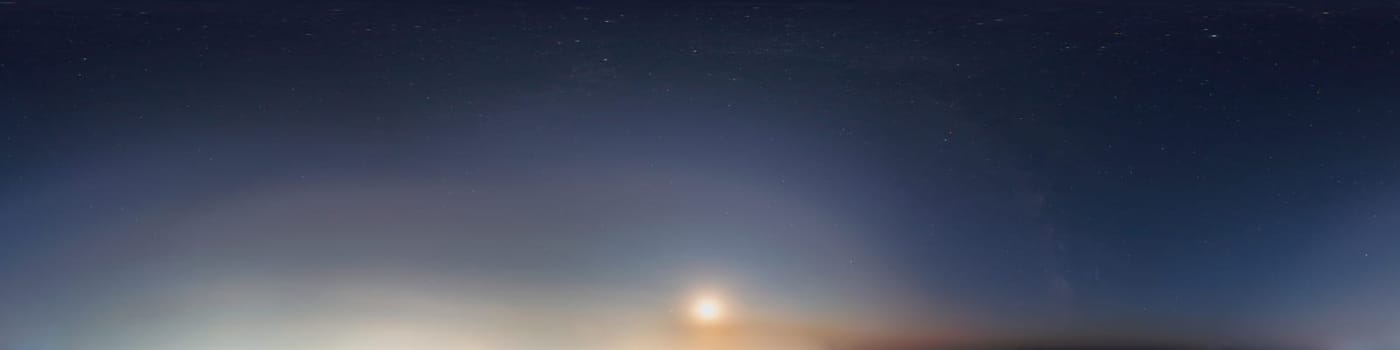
(1206, 173)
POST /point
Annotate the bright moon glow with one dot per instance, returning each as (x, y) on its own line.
(707, 310)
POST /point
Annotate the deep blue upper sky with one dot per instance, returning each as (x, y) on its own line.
(1081, 171)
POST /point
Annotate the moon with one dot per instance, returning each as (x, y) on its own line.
(707, 310)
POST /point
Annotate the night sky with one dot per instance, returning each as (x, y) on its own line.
(373, 175)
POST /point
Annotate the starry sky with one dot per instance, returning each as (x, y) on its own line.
(370, 175)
